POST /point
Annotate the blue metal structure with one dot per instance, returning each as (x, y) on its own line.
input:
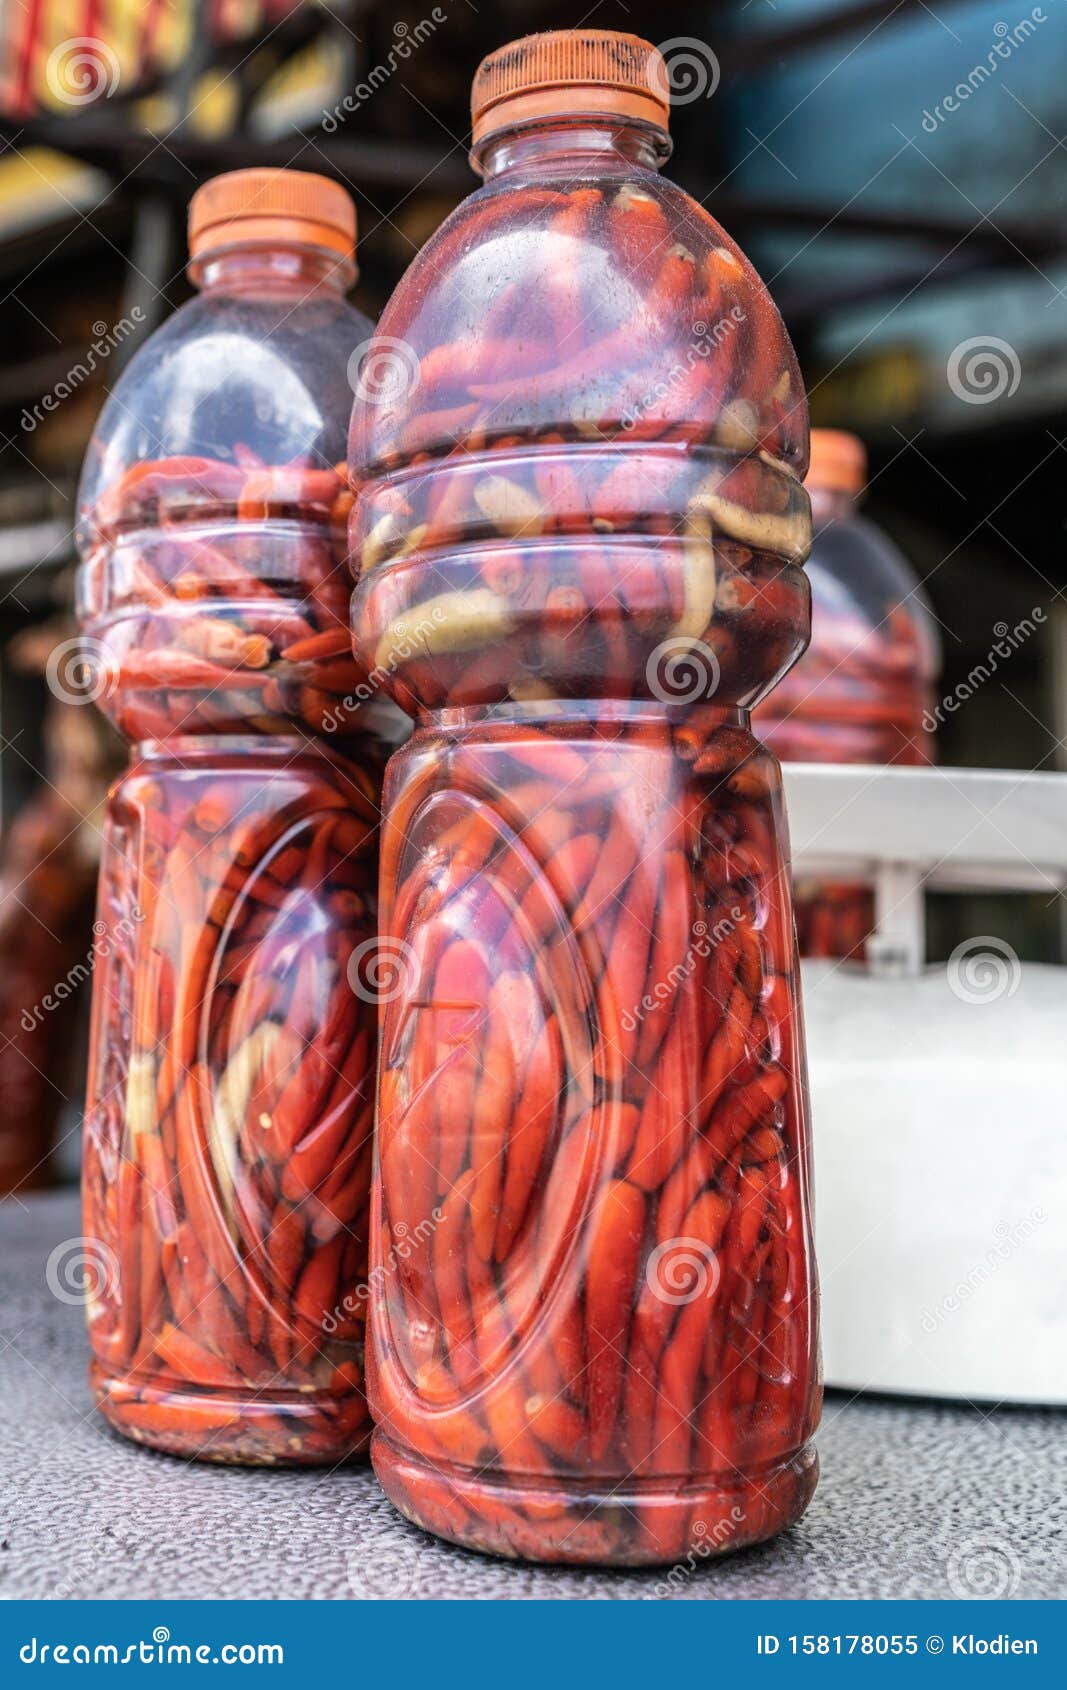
(904, 188)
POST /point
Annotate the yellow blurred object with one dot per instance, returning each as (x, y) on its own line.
(39, 186)
(871, 389)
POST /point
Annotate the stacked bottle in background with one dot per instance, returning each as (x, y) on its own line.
(582, 525)
(860, 692)
(229, 1111)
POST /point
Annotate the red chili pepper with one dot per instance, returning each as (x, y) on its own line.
(237, 1260)
(265, 598)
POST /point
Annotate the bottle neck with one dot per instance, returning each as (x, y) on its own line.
(568, 146)
(260, 268)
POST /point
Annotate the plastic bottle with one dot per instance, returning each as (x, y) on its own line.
(227, 1144)
(860, 692)
(582, 523)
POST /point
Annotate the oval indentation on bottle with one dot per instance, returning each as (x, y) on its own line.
(292, 1021)
(487, 1092)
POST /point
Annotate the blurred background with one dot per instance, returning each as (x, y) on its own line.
(896, 169)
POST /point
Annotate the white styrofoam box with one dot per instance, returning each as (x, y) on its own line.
(940, 1139)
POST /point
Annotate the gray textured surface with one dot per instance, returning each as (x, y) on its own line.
(915, 1500)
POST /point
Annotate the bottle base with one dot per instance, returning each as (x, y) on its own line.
(246, 1430)
(635, 1523)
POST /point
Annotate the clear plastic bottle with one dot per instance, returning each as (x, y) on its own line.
(582, 523)
(860, 692)
(229, 1110)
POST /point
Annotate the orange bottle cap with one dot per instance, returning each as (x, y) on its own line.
(291, 207)
(570, 72)
(838, 462)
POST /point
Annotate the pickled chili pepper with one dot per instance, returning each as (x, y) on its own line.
(190, 632)
(862, 690)
(242, 1089)
(230, 1099)
(596, 1335)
